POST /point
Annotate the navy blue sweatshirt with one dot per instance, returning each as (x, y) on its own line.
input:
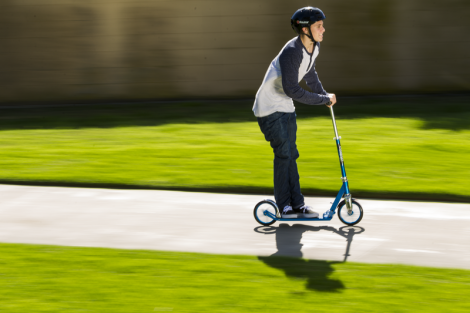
(281, 82)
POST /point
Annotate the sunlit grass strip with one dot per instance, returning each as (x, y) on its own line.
(38, 278)
(382, 156)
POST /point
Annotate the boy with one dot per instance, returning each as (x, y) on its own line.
(275, 109)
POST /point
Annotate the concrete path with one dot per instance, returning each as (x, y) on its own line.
(419, 233)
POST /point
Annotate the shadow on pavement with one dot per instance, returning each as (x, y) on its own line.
(288, 258)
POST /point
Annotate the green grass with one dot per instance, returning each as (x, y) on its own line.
(39, 278)
(411, 148)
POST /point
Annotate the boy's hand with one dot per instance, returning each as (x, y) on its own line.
(332, 99)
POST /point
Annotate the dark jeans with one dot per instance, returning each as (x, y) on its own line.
(280, 130)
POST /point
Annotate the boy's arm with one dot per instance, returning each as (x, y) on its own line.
(289, 62)
(311, 78)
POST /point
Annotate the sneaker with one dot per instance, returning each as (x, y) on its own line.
(288, 212)
(308, 212)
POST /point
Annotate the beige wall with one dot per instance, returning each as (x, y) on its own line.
(87, 50)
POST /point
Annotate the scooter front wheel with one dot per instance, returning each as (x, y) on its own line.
(260, 212)
(351, 217)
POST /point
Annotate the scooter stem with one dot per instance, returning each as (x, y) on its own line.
(334, 121)
(347, 195)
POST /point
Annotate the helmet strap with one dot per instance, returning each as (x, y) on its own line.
(310, 35)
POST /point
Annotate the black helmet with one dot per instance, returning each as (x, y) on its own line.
(305, 17)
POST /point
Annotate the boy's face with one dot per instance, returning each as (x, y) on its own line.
(317, 30)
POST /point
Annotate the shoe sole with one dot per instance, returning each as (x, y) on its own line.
(310, 215)
(289, 216)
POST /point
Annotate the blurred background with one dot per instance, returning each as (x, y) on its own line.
(68, 51)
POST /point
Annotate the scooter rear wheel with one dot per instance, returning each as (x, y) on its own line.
(260, 212)
(353, 217)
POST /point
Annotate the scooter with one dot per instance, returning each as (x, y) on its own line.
(350, 211)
